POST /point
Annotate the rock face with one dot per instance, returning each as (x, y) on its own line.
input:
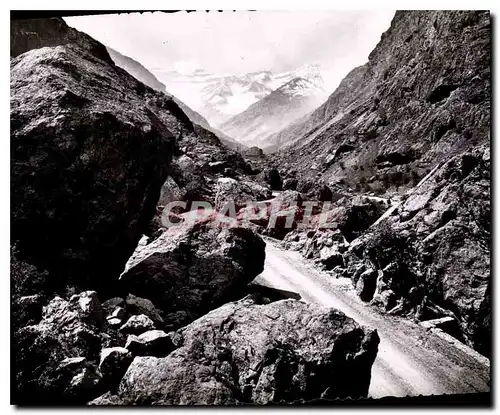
(201, 162)
(31, 34)
(433, 252)
(423, 96)
(286, 351)
(193, 268)
(91, 148)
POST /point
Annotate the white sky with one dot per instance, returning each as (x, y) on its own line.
(239, 42)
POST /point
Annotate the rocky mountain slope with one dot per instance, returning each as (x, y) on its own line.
(423, 96)
(94, 155)
(270, 114)
(413, 123)
(138, 71)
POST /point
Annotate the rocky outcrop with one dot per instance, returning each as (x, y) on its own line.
(432, 254)
(193, 268)
(31, 34)
(284, 352)
(423, 95)
(91, 148)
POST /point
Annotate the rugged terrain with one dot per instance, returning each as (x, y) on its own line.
(97, 307)
(411, 125)
(119, 299)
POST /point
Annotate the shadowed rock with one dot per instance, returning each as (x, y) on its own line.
(285, 351)
(193, 268)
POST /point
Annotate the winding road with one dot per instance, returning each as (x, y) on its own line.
(411, 360)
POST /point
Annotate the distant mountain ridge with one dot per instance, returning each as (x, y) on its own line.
(219, 98)
(289, 102)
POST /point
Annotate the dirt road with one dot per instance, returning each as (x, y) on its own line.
(411, 360)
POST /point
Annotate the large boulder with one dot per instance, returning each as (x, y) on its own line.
(286, 351)
(275, 217)
(433, 252)
(90, 151)
(229, 191)
(194, 267)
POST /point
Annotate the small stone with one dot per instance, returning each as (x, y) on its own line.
(118, 312)
(365, 287)
(137, 324)
(114, 363)
(151, 343)
(138, 305)
(115, 322)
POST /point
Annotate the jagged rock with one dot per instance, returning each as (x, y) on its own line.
(290, 183)
(27, 310)
(366, 284)
(331, 257)
(383, 295)
(194, 267)
(190, 180)
(72, 109)
(326, 246)
(110, 305)
(113, 364)
(239, 192)
(284, 351)
(137, 305)
(436, 248)
(105, 400)
(43, 353)
(271, 177)
(28, 34)
(352, 217)
(137, 324)
(276, 217)
(171, 192)
(151, 343)
(253, 152)
(295, 240)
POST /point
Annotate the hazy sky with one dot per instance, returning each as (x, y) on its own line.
(241, 41)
